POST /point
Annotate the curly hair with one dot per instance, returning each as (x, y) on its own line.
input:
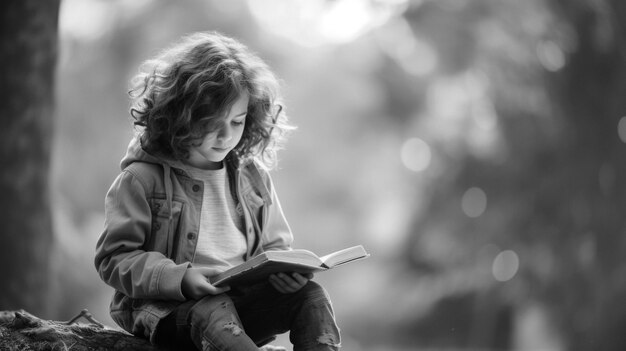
(180, 95)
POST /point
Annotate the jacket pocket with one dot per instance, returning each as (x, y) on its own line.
(137, 316)
(121, 311)
(164, 226)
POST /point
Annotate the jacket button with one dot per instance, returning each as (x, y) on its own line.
(191, 236)
(195, 188)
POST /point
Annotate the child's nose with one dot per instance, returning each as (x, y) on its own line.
(224, 134)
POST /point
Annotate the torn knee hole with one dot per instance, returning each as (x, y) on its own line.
(233, 327)
(328, 339)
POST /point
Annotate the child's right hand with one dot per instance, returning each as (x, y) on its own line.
(195, 284)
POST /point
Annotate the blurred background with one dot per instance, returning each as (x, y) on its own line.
(474, 147)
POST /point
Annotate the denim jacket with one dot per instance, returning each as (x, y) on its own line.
(152, 218)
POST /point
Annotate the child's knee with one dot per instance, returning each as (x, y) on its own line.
(212, 309)
(215, 325)
(314, 294)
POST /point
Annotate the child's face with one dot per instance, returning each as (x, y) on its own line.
(217, 144)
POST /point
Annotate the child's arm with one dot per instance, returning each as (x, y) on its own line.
(276, 232)
(120, 258)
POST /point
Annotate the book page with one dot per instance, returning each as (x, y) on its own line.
(295, 256)
(344, 256)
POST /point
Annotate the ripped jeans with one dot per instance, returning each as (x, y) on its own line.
(244, 319)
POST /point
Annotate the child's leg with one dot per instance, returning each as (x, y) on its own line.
(215, 325)
(173, 332)
(212, 323)
(307, 314)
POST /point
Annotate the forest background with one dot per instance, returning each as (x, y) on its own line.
(474, 147)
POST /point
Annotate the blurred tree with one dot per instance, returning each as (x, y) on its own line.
(549, 187)
(588, 286)
(28, 39)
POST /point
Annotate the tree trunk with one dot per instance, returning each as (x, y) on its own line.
(28, 42)
(20, 330)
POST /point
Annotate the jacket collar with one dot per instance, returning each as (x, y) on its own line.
(234, 166)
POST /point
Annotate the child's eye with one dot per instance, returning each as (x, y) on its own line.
(237, 123)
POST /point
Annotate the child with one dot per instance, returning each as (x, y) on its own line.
(193, 200)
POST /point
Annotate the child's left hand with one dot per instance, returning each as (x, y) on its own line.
(289, 283)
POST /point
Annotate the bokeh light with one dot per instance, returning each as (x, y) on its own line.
(505, 265)
(319, 22)
(90, 20)
(415, 154)
(621, 129)
(85, 20)
(474, 202)
(550, 55)
(398, 40)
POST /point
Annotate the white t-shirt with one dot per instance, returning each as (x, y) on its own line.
(221, 240)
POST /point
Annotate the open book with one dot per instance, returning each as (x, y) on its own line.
(260, 267)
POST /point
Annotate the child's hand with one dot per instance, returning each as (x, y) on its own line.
(195, 284)
(287, 284)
